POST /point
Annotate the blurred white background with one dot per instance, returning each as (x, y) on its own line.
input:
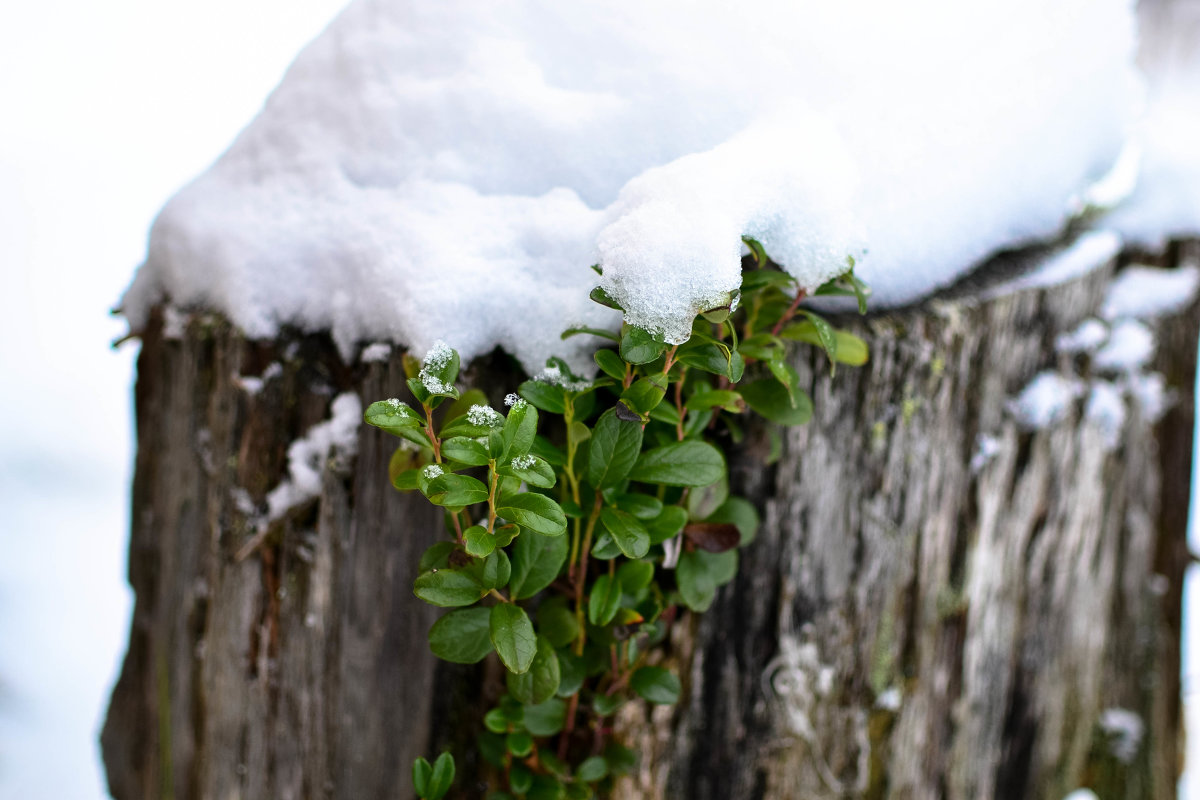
(107, 109)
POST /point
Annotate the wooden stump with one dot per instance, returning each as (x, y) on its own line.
(918, 617)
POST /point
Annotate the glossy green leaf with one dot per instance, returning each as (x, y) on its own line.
(604, 600)
(519, 743)
(642, 506)
(593, 768)
(824, 332)
(421, 771)
(645, 393)
(393, 416)
(456, 490)
(437, 556)
(610, 364)
(667, 524)
(512, 636)
(535, 512)
(492, 572)
(634, 576)
(538, 683)
(546, 787)
(603, 334)
(688, 463)
(462, 636)
(756, 250)
(519, 429)
(530, 469)
(557, 622)
(441, 777)
(720, 398)
(639, 346)
(602, 297)
(544, 396)
(605, 547)
(612, 450)
(448, 588)
(629, 534)
(572, 670)
(769, 398)
(656, 685)
(536, 562)
(465, 451)
(478, 542)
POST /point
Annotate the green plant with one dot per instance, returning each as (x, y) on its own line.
(569, 550)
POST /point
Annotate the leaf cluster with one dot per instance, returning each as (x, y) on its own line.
(582, 518)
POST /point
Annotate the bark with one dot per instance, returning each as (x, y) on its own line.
(905, 625)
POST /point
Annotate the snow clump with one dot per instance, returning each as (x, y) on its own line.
(484, 416)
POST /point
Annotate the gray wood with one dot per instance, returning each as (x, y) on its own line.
(1007, 607)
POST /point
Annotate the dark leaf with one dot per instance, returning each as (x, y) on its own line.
(715, 537)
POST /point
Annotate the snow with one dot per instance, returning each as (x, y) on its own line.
(423, 166)
(376, 351)
(336, 436)
(1088, 252)
(1129, 348)
(1106, 410)
(1086, 338)
(1046, 400)
(1145, 292)
(1125, 729)
(484, 415)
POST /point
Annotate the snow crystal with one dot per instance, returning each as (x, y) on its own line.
(485, 416)
(1089, 335)
(1106, 410)
(379, 351)
(1090, 251)
(1130, 347)
(438, 356)
(555, 377)
(1045, 401)
(336, 436)
(1126, 729)
(986, 448)
(1146, 292)
(889, 700)
(424, 166)
(174, 322)
(523, 462)
(513, 400)
(431, 471)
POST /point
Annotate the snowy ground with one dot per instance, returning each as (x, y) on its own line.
(108, 110)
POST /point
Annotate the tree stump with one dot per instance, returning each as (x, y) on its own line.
(939, 603)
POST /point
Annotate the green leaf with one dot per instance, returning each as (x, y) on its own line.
(443, 773)
(605, 547)
(536, 512)
(491, 572)
(688, 463)
(707, 357)
(606, 704)
(557, 622)
(392, 416)
(645, 393)
(756, 250)
(573, 671)
(520, 779)
(504, 534)
(610, 364)
(634, 576)
(547, 718)
(642, 506)
(721, 398)
(704, 500)
(409, 479)
(538, 683)
(667, 524)
(478, 542)
(465, 451)
(519, 429)
(613, 450)
(787, 377)
(462, 636)
(544, 396)
(520, 744)
(604, 298)
(761, 278)
(543, 449)
(420, 776)
(769, 398)
(603, 334)
(436, 557)
(656, 685)
(496, 720)
(512, 636)
(448, 588)
(629, 534)
(825, 333)
(737, 366)
(593, 769)
(639, 346)
(546, 787)
(696, 585)
(533, 470)
(851, 349)
(536, 562)
(604, 600)
(456, 490)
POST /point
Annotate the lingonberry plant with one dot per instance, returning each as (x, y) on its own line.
(581, 518)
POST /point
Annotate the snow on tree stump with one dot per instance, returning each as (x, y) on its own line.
(940, 603)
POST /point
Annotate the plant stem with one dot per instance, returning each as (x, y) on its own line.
(581, 573)
(791, 312)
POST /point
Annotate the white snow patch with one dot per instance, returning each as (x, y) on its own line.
(1146, 292)
(1126, 730)
(889, 699)
(484, 415)
(336, 436)
(1149, 390)
(1129, 348)
(424, 166)
(1106, 410)
(986, 448)
(432, 471)
(174, 322)
(1082, 794)
(377, 351)
(1086, 338)
(1090, 251)
(1046, 400)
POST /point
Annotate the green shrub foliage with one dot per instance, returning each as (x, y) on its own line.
(584, 516)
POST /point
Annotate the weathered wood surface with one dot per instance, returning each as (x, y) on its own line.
(903, 627)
